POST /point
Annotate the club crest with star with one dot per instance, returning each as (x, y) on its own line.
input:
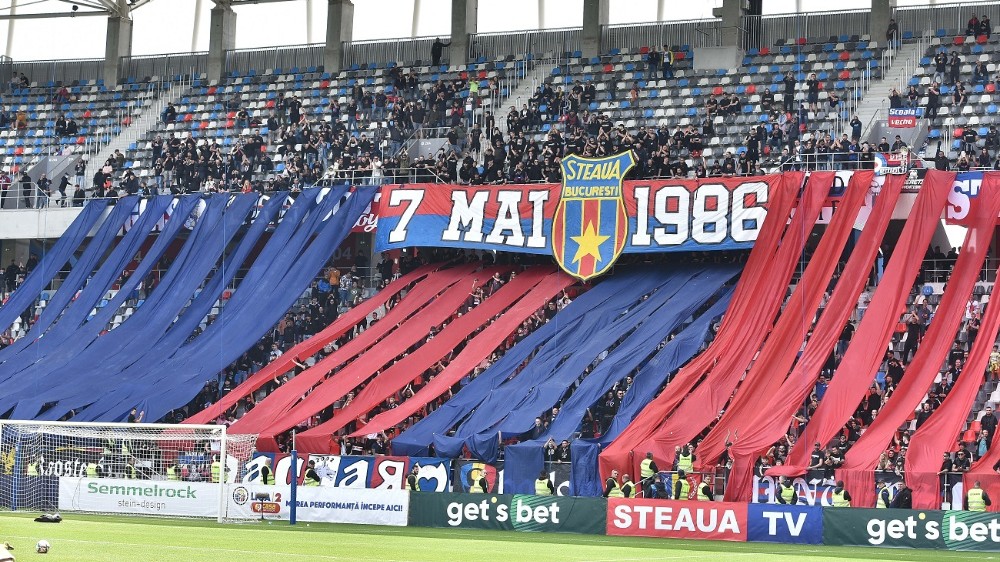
(590, 225)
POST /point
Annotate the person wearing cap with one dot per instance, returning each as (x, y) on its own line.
(884, 495)
(786, 492)
(681, 488)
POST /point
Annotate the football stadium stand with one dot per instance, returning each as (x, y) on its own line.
(200, 274)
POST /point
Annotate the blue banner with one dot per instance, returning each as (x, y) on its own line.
(792, 524)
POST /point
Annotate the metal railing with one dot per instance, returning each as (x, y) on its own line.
(691, 33)
(165, 67)
(763, 31)
(269, 59)
(939, 270)
(950, 17)
(17, 198)
(413, 50)
(61, 71)
(541, 43)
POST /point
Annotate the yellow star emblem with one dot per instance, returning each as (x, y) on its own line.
(589, 243)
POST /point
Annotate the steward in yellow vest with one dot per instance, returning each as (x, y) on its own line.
(412, 483)
(543, 486)
(682, 488)
(611, 487)
(976, 499)
(841, 497)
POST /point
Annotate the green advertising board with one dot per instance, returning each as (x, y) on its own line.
(509, 512)
(902, 528)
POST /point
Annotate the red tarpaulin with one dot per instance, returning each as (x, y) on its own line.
(387, 383)
(701, 407)
(287, 394)
(753, 290)
(940, 432)
(857, 369)
(770, 424)
(858, 471)
(472, 355)
(375, 358)
(778, 354)
(310, 347)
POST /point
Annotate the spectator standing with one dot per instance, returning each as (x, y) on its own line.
(933, 101)
(940, 67)
(895, 100)
(812, 91)
(989, 422)
(892, 33)
(437, 48)
(667, 63)
(653, 60)
(972, 27)
(954, 67)
(788, 98)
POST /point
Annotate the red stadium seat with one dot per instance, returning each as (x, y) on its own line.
(968, 436)
(609, 68)
(717, 91)
(482, 75)
(270, 104)
(19, 151)
(463, 75)
(751, 89)
(982, 39)
(643, 50)
(231, 115)
(958, 132)
(680, 55)
(324, 84)
(991, 88)
(81, 140)
(230, 123)
(845, 56)
(844, 75)
(212, 90)
(86, 114)
(801, 41)
(203, 125)
(189, 117)
(976, 427)
(958, 41)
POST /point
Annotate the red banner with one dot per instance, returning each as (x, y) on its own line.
(677, 519)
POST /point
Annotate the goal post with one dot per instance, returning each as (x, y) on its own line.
(175, 470)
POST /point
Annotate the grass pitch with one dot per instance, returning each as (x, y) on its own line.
(83, 538)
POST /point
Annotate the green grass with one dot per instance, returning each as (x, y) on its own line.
(84, 538)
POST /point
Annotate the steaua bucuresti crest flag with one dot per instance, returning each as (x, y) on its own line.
(590, 224)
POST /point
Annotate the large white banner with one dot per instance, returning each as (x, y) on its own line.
(324, 504)
(140, 497)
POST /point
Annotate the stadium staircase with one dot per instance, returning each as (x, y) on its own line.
(144, 120)
(520, 95)
(872, 109)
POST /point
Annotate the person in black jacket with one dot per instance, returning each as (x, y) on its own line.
(436, 49)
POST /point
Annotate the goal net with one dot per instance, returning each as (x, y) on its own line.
(120, 468)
